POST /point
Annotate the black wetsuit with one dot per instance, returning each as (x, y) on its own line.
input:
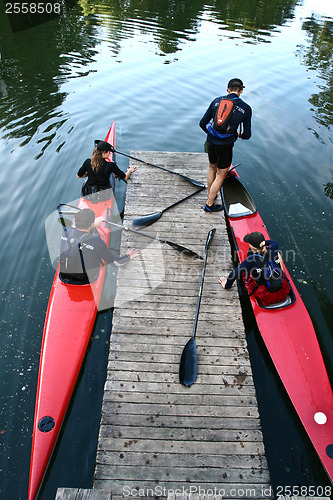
(253, 264)
(81, 255)
(100, 179)
(242, 113)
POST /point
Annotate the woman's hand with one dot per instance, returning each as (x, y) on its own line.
(130, 171)
(133, 253)
(223, 281)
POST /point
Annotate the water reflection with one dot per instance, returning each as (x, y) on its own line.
(318, 55)
(254, 21)
(33, 67)
(172, 22)
(328, 190)
(36, 63)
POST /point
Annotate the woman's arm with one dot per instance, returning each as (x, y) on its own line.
(83, 171)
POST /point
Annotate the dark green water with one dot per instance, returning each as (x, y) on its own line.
(155, 67)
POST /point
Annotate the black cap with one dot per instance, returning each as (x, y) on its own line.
(255, 239)
(236, 82)
(103, 146)
(84, 218)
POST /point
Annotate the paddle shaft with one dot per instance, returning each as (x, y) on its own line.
(196, 183)
(209, 238)
(188, 362)
(146, 220)
(183, 199)
(162, 240)
(176, 246)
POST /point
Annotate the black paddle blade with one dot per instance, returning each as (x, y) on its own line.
(195, 183)
(188, 364)
(146, 220)
(210, 236)
(182, 249)
(65, 222)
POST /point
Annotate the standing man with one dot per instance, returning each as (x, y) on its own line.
(220, 144)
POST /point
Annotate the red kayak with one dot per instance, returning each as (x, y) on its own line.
(288, 333)
(63, 349)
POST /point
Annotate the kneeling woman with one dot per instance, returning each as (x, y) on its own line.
(261, 252)
(98, 170)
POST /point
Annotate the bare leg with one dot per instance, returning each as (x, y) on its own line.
(211, 175)
(216, 185)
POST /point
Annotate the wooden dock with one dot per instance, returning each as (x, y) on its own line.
(157, 437)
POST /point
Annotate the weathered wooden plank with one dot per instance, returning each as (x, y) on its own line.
(161, 331)
(180, 303)
(166, 389)
(183, 447)
(200, 460)
(238, 380)
(143, 343)
(240, 371)
(216, 314)
(128, 408)
(193, 400)
(193, 422)
(80, 494)
(179, 433)
(149, 353)
(197, 474)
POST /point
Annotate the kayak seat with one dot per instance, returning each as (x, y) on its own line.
(237, 201)
(290, 299)
(72, 279)
(237, 209)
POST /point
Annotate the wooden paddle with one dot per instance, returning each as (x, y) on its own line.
(176, 246)
(146, 220)
(188, 361)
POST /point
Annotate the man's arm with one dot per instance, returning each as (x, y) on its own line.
(246, 134)
(206, 117)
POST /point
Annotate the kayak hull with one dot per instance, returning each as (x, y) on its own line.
(69, 321)
(288, 333)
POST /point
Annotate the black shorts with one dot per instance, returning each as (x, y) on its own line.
(222, 155)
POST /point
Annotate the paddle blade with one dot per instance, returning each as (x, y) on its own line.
(146, 220)
(188, 364)
(209, 238)
(192, 181)
(180, 248)
(65, 222)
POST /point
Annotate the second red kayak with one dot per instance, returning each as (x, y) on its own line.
(288, 333)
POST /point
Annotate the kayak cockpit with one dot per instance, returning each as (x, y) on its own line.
(289, 300)
(237, 201)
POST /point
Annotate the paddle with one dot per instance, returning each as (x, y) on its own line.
(192, 181)
(235, 166)
(176, 246)
(188, 361)
(146, 220)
